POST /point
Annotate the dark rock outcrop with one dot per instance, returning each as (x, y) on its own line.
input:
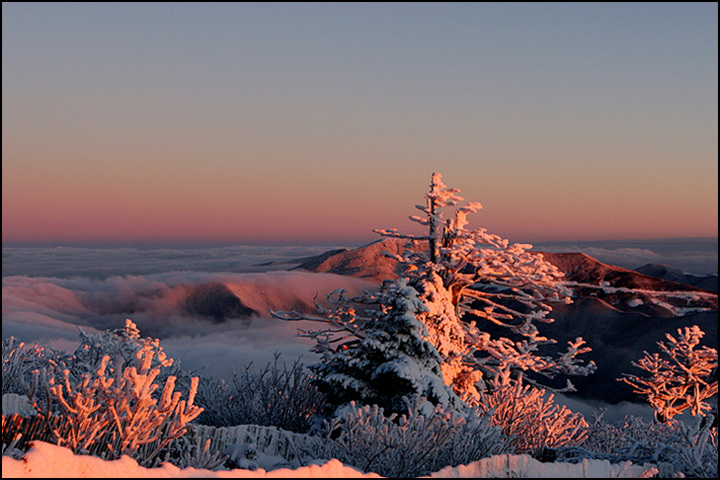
(215, 301)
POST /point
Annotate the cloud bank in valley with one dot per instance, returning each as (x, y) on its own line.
(49, 310)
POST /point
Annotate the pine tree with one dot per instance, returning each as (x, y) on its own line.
(461, 277)
(379, 357)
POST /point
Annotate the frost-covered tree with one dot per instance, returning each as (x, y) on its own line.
(460, 277)
(464, 276)
(377, 357)
(680, 379)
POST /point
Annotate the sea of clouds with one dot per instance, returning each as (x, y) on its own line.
(47, 293)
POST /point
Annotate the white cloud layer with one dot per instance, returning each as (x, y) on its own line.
(105, 262)
(48, 310)
(692, 255)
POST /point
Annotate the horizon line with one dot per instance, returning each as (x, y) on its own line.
(197, 244)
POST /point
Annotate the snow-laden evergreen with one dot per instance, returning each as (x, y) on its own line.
(381, 357)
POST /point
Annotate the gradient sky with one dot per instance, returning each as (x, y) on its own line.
(296, 123)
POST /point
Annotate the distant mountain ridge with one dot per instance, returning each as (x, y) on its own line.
(619, 312)
(658, 270)
(629, 290)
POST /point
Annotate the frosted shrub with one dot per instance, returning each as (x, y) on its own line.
(697, 453)
(611, 438)
(678, 448)
(422, 441)
(531, 420)
(20, 359)
(18, 430)
(122, 345)
(284, 397)
(114, 412)
(184, 452)
(681, 378)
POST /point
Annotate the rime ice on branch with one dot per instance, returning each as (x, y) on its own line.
(683, 380)
(466, 275)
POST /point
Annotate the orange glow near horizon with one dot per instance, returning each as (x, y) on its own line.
(319, 215)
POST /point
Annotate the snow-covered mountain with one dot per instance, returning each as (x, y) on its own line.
(619, 312)
(630, 290)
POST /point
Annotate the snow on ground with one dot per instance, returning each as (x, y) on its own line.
(50, 461)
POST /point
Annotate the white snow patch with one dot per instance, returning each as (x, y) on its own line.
(635, 302)
(47, 460)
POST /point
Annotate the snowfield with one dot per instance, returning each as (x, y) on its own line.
(50, 461)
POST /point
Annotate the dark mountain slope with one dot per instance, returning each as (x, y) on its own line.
(617, 339)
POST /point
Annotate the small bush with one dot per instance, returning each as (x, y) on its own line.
(678, 448)
(531, 421)
(281, 396)
(410, 445)
(113, 412)
(120, 345)
(20, 359)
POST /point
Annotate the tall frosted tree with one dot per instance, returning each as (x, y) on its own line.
(460, 277)
(465, 276)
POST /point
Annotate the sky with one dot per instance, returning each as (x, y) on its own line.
(277, 123)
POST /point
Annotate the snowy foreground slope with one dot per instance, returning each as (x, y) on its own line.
(47, 460)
